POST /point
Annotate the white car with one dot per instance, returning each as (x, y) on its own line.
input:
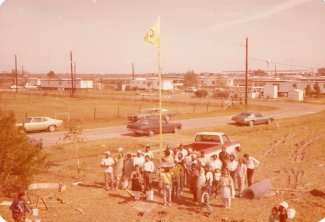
(39, 123)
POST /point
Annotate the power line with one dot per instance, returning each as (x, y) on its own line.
(279, 63)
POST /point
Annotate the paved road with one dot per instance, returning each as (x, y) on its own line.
(286, 109)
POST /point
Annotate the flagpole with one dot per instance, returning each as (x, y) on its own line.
(160, 96)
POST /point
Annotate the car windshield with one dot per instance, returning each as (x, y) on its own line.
(28, 120)
(245, 114)
(148, 111)
(207, 138)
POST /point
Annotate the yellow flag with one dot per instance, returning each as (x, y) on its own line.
(153, 35)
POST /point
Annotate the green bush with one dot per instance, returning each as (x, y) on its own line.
(19, 160)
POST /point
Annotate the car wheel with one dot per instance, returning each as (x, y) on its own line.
(52, 128)
(151, 133)
(251, 123)
(268, 121)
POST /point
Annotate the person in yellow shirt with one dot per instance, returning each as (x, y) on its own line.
(166, 178)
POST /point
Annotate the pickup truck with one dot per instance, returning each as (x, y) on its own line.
(212, 142)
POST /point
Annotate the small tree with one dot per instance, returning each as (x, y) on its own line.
(317, 89)
(308, 91)
(51, 75)
(20, 161)
(74, 136)
(321, 72)
(191, 79)
(259, 72)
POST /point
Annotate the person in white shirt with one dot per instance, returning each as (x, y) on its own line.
(216, 180)
(240, 174)
(148, 152)
(215, 163)
(108, 163)
(231, 166)
(203, 159)
(252, 163)
(199, 184)
(209, 179)
(138, 160)
(148, 168)
(182, 150)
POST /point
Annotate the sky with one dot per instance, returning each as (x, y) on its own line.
(106, 36)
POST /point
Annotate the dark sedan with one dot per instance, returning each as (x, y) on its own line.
(251, 118)
(150, 126)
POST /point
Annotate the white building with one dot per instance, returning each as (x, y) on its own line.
(33, 81)
(271, 91)
(296, 95)
(215, 81)
(152, 84)
(66, 84)
(284, 86)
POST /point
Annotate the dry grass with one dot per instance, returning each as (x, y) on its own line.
(97, 112)
(285, 148)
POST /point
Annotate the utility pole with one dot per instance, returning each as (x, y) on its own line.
(246, 72)
(71, 66)
(75, 78)
(275, 71)
(132, 71)
(16, 73)
(22, 71)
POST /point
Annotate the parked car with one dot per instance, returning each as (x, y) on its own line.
(151, 112)
(39, 123)
(252, 118)
(150, 126)
(36, 142)
(191, 89)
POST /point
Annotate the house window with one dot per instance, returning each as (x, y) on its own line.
(294, 85)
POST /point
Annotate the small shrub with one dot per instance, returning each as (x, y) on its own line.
(201, 93)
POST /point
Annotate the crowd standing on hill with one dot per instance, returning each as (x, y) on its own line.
(224, 174)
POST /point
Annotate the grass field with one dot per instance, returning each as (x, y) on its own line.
(96, 112)
(291, 152)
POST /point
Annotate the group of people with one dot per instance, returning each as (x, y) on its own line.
(206, 177)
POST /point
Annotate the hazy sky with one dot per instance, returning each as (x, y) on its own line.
(201, 35)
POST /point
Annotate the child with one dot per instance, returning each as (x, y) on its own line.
(19, 208)
(136, 184)
(205, 201)
(227, 188)
(199, 184)
(216, 179)
(283, 215)
(209, 179)
(166, 178)
(274, 216)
